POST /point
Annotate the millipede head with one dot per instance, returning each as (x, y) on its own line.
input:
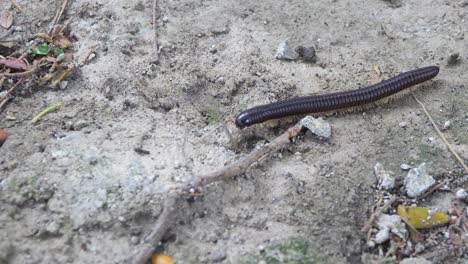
(243, 120)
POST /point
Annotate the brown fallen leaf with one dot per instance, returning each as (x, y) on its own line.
(14, 63)
(3, 136)
(8, 44)
(6, 19)
(62, 42)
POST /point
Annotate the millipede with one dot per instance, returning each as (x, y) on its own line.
(335, 101)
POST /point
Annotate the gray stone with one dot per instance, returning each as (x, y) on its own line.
(405, 167)
(462, 195)
(418, 181)
(63, 85)
(80, 124)
(394, 224)
(317, 126)
(446, 125)
(285, 52)
(306, 53)
(386, 178)
(218, 255)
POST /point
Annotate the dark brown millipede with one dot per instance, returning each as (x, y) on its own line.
(335, 101)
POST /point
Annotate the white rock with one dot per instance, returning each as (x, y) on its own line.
(403, 124)
(317, 126)
(446, 125)
(386, 178)
(285, 52)
(382, 236)
(394, 224)
(405, 167)
(461, 194)
(418, 181)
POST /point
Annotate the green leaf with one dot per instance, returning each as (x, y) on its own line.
(44, 50)
(40, 50)
(58, 51)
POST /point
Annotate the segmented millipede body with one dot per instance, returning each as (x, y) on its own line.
(335, 101)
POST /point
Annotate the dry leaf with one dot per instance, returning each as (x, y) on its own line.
(8, 44)
(62, 42)
(3, 136)
(414, 234)
(10, 116)
(6, 19)
(14, 63)
(420, 217)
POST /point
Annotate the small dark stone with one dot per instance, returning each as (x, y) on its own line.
(306, 53)
(393, 3)
(453, 59)
(141, 151)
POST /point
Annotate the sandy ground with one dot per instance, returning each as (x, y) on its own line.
(73, 190)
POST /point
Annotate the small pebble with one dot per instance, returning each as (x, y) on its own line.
(165, 19)
(462, 195)
(405, 167)
(386, 178)
(218, 255)
(261, 248)
(453, 59)
(446, 125)
(317, 126)
(306, 53)
(213, 49)
(403, 124)
(134, 240)
(285, 52)
(63, 85)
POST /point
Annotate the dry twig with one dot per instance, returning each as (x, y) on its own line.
(160, 228)
(22, 74)
(4, 98)
(433, 189)
(16, 5)
(155, 37)
(376, 214)
(440, 134)
(237, 168)
(86, 57)
(57, 17)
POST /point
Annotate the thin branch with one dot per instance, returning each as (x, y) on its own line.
(239, 167)
(155, 32)
(433, 189)
(166, 220)
(440, 134)
(11, 90)
(88, 54)
(16, 5)
(21, 74)
(57, 17)
(376, 214)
